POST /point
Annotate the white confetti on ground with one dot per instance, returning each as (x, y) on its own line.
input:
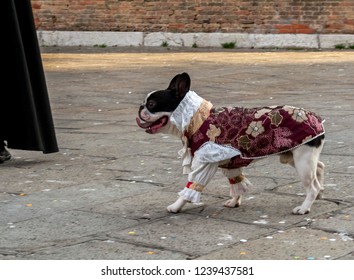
(261, 222)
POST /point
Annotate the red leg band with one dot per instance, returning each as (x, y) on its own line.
(232, 181)
(189, 184)
(237, 179)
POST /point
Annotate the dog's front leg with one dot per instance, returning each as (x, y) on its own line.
(235, 200)
(177, 206)
(238, 186)
(198, 179)
(236, 192)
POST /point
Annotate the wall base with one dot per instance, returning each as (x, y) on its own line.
(155, 39)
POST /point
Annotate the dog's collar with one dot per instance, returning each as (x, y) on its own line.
(190, 112)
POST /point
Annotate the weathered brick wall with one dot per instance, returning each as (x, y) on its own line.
(245, 16)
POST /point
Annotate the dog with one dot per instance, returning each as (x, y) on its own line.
(231, 138)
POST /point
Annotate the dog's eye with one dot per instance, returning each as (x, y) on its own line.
(151, 104)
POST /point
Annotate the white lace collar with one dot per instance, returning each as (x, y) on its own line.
(181, 117)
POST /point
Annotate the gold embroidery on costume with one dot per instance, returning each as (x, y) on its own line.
(255, 128)
(276, 118)
(213, 132)
(199, 117)
(197, 187)
(244, 142)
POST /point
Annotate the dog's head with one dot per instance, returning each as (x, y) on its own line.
(158, 106)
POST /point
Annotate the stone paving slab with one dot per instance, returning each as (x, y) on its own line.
(340, 221)
(59, 228)
(188, 233)
(103, 196)
(108, 249)
(293, 244)
(49, 202)
(152, 205)
(257, 210)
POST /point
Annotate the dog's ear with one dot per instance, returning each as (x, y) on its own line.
(181, 83)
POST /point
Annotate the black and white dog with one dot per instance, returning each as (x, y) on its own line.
(232, 137)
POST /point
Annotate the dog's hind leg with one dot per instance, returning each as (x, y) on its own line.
(318, 144)
(287, 158)
(320, 177)
(238, 186)
(306, 161)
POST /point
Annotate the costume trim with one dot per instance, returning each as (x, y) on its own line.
(239, 185)
(190, 195)
(199, 117)
(211, 152)
(195, 186)
(237, 179)
(189, 184)
(183, 114)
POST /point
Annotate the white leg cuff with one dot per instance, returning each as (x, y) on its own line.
(190, 195)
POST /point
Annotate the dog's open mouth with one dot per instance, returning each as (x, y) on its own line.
(152, 127)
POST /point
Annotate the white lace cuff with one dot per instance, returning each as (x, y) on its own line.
(190, 195)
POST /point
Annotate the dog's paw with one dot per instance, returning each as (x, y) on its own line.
(320, 195)
(177, 206)
(172, 209)
(299, 211)
(233, 202)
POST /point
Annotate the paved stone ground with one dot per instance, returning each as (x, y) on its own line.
(103, 196)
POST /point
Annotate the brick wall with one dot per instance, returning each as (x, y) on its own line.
(245, 16)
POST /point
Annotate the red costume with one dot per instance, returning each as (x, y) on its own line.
(256, 132)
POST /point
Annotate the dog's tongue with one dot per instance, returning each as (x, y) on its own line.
(154, 126)
(142, 125)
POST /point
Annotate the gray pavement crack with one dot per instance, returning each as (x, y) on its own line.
(140, 181)
(150, 246)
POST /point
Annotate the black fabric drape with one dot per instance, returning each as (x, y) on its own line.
(25, 115)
